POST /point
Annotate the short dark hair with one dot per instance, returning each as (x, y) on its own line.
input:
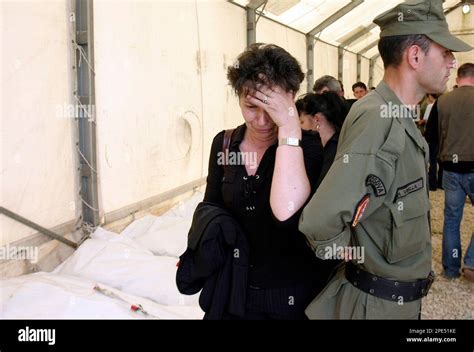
(276, 64)
(327, 81)
(466, 70)
(330, 104)
(359, 85)
(391, 48)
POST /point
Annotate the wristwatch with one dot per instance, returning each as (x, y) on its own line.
(294, 142)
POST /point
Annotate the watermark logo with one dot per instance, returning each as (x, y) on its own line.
(19, 253)
(237, 158)
(356, 253)
(79, 111)
(391, 111)
(37, 335)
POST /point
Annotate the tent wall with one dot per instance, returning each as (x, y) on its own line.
(378, 72)
(291, 40)
(161, 94)
(462, 25)
(349, 73)
(364, 71)
(325, 60)
(38, 178)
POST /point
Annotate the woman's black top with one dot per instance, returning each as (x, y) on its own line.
(279, 254)
(329, 154)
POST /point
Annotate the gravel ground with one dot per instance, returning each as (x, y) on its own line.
(448, 299)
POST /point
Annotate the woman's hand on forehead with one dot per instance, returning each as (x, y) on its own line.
(279, 104)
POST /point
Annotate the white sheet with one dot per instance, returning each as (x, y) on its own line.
(117, 261)
(167, 234)
(52, 296)
(123, 264)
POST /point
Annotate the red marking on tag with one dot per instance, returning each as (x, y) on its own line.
(360, 209)
(177, 264)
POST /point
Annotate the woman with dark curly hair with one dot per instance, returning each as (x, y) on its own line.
(284, 274)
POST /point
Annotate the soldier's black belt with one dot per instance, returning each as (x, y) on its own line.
(396, 291)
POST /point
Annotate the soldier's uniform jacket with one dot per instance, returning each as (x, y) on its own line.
(381, 157)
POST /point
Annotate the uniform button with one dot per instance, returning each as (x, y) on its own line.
(394, 297)
(374, 278)
(371, 290)
(396, 283)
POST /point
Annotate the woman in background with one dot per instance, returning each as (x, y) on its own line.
(324, 113)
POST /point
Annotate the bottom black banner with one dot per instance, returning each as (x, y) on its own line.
(62, 335)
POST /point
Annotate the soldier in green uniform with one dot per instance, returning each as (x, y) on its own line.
(373, 204)
(375, 194)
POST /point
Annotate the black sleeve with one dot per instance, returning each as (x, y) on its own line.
(313, 161)
(431, 132)
(313, 158)
(329, 156)
(213, 192)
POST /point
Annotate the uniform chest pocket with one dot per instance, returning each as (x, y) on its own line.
(410, 227)
(228, 186)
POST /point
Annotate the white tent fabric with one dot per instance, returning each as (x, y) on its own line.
(124, 265)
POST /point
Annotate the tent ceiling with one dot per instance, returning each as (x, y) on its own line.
(305, 15)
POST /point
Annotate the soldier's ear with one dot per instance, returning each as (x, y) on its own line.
(414, 53)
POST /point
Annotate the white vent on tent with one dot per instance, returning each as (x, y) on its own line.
(277, 7)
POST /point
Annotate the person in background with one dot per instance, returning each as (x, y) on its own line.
(329, 83)
(452, 125)
(324, 113)
(284, 274)
(427, 128)
(425, 108)
(359, 89)
(343, 93)
(430, 99)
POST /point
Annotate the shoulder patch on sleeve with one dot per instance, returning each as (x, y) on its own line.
(359, 210)
(377, 185)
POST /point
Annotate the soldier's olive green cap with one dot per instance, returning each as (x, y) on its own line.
(420, 17)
